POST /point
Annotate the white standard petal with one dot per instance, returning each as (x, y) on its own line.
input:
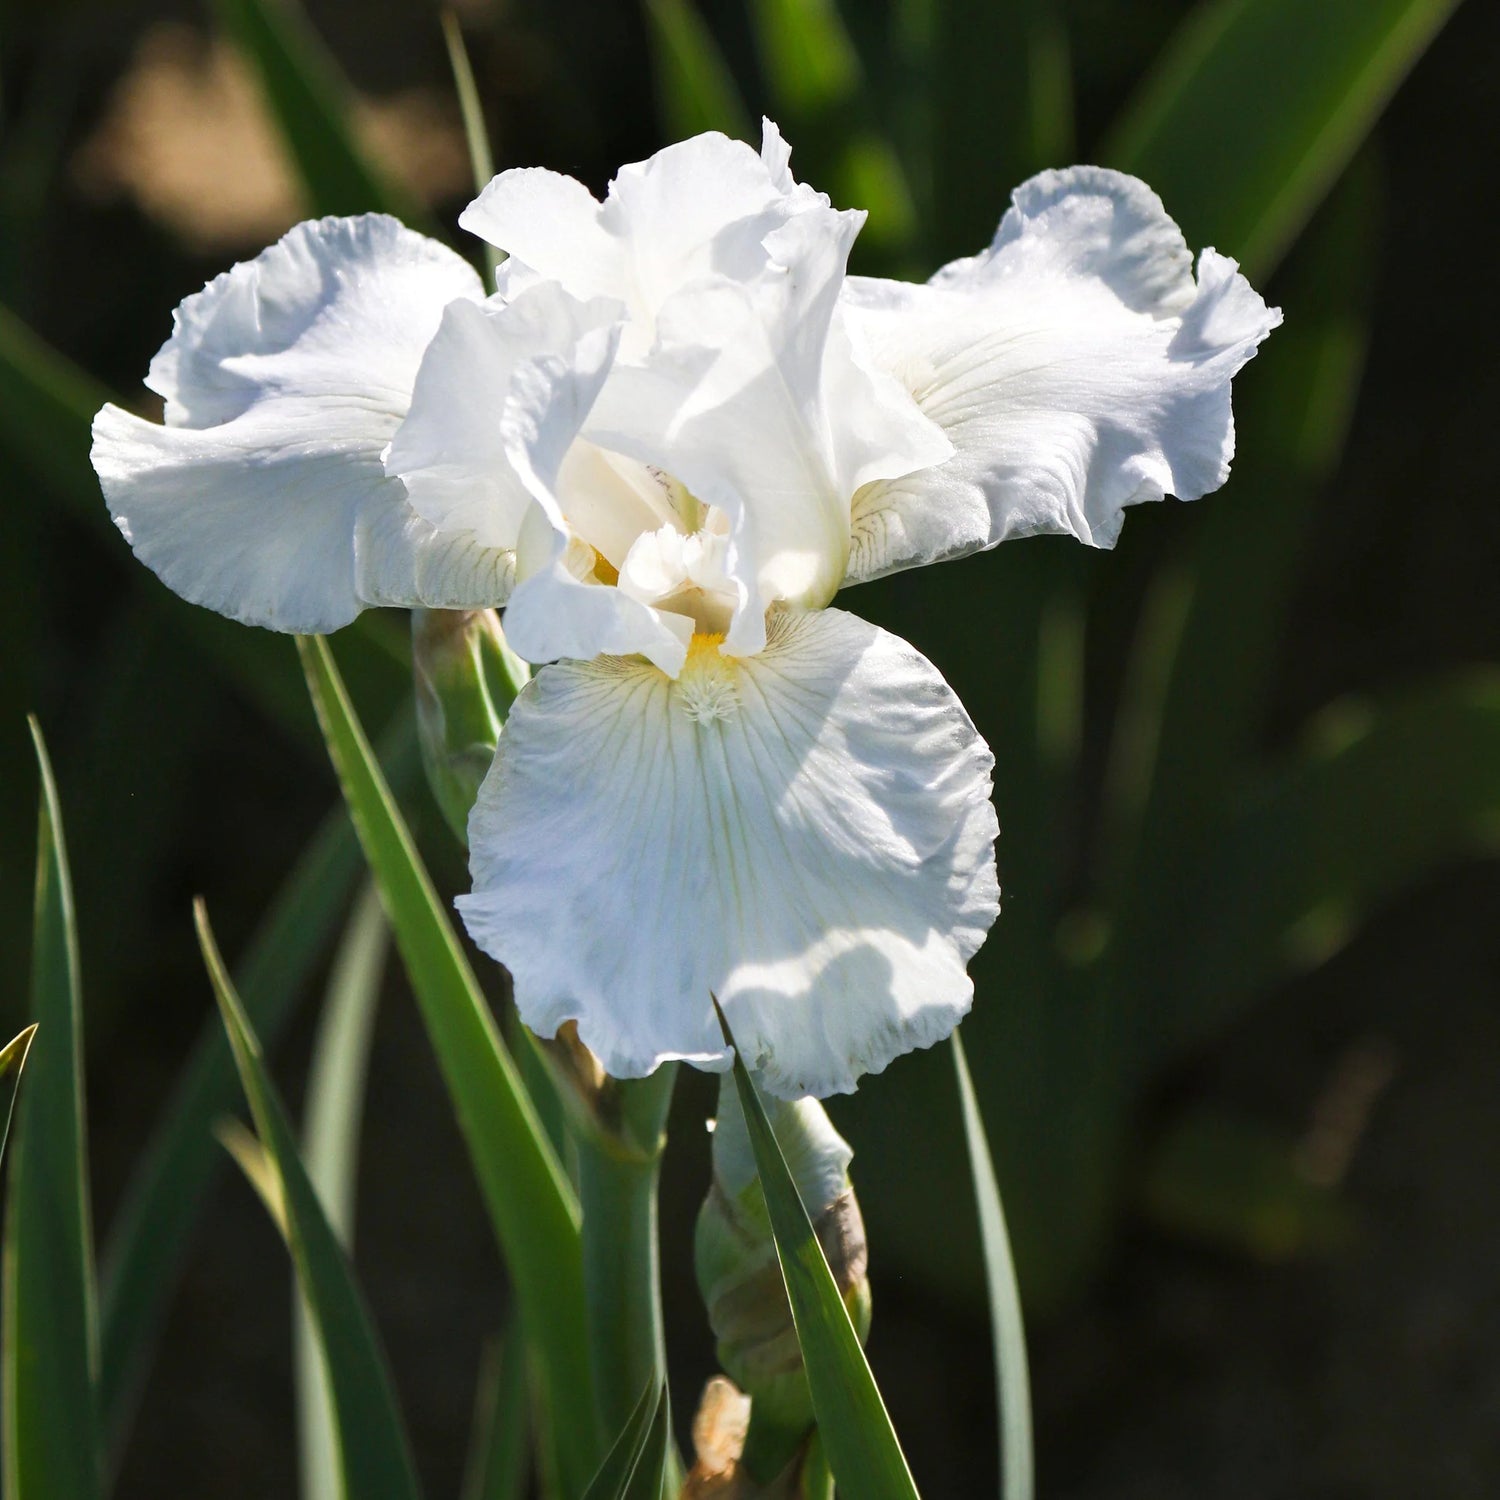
(701, 207)
(544, 349)
(806, 834)
(263, 495)
(1076, 365)
(753, 398)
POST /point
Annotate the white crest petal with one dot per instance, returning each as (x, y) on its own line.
(263, 496)
(1076, 365)
(806, 833)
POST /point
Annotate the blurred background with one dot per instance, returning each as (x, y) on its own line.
(1237, 1034)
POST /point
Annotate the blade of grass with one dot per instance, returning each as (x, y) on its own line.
(335, 1102)
(531, 1203)
(650, 1472)
(496, 1465)
(695, 90)
(1256, 106)
(613, 1477)
(49, 1360)
(476, 134)
(858, 1439)
(373, 1453)
(12, 1063)
(819, 91)
(1008, 1329)
(310, 101)
(153, 1225)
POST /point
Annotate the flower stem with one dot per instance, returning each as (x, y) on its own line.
(619, 1167)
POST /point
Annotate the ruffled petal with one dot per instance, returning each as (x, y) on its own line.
(544, 349)
(752, 397)
(701, 207)
(1077, 366)
(806, 834)
(263, 496)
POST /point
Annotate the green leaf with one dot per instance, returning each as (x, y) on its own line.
(695, 90)
(858, 1439)
(154, 1222)
(310, 101)
(12, 1062)
(476, 133)
(1255, 108)
(50, 1356)
(374, 1456)
(1012, 1377)
(650, 1471)
(1385, 792)
(819, 93)
(496, 1465)
(612, 1482)
(1002, 109)
(335, 1102)
(530, 1201)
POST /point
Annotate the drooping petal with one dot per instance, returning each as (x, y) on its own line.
(701, 207)
(753, 398)
(806, 833)
(263, 496)
(1077, 366)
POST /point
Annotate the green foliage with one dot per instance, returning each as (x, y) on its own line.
(695, 90)
(373, 1453)
(309, 100)
(530, 1200)
(1012, 1376)
(633, 1467)
(496, 1465)
(49, 1359)
(858, 1439)
(331, 1129)
(153, 1224)
(1310, 78)
(12, 1064)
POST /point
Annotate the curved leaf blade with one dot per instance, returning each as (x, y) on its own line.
(50, 1357)
(335, 1104)
(1255, 108)
(858, 1440)
(155, 1220)
(374, 1456)
(530, 1200)
(12, 1064)
(695, 90)
(1007, 1327)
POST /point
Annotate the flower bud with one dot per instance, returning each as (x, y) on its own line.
(466, 678)
(738, 1271)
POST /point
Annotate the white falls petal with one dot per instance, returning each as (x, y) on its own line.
(1077, 366)
(806, 833)
(263, 495)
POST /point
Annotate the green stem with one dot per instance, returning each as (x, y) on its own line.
(619, 1169)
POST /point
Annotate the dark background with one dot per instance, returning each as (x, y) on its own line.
(1183, 1355)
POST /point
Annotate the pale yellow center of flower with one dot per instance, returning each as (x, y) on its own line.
(708, 688)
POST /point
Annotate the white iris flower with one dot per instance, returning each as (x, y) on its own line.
(670, 438)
